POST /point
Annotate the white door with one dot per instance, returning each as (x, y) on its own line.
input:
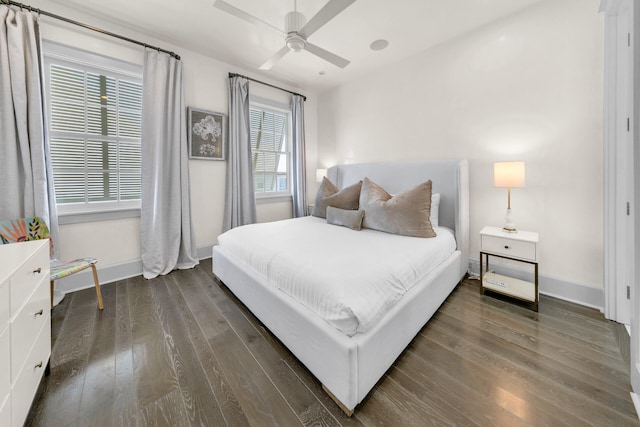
(619, 244)
(635, 130)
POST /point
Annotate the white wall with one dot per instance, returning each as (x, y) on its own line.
(528, 87)
(117, 242)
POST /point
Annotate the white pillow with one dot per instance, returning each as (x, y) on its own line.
(435, 206)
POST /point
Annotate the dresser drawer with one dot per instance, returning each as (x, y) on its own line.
(25, 387)
(509, 248)
(5, 363)
(29, 275)
(27, 324)
(4, 305)
(5, 411)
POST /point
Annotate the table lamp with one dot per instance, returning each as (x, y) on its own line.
(508, 175)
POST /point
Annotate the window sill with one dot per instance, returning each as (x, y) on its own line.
(279, 198)
(79, 217)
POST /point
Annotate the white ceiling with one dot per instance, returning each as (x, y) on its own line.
(410, 26)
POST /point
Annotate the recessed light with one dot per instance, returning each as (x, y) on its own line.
(379, 44)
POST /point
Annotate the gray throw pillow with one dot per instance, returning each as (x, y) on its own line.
(346, 218)
(406, 213)
(328, 195)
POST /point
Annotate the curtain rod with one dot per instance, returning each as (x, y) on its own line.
(89, 27)
(267, 84)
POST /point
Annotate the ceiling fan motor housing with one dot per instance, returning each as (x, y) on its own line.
(294, 21)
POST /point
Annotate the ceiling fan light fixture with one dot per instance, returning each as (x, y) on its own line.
(295, 42)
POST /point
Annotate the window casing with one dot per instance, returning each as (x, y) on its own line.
(94, 107)
(270, 127)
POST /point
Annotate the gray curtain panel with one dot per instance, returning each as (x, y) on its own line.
(240, 199)
(26, 181)
(299, 172)
(167, 237)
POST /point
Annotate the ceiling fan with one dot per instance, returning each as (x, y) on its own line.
(297, 30)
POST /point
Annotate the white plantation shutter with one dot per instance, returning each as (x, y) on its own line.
(270, 148)
(95, 113)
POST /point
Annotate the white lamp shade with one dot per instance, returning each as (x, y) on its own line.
(320, 173)
(508, 174)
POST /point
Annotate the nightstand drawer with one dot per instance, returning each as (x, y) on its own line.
(509, 248)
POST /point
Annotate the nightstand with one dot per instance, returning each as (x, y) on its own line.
(522, 247)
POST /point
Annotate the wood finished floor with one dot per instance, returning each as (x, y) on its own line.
(181, 350)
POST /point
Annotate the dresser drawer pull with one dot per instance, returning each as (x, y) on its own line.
(38, 313)
(39, 365)
(506, 247)
(37, 270)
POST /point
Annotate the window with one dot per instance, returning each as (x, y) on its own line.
(270, 141)
(94, 122)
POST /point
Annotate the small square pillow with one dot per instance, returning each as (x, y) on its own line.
(346, 218)
(328, 195)
(406, 213)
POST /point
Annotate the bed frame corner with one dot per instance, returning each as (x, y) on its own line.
(348, 412)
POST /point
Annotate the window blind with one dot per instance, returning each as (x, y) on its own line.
(269, 131)
(95, 136)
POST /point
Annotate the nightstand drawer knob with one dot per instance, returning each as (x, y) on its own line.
(506, 247)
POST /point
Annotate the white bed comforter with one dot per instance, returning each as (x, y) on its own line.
(349, 278)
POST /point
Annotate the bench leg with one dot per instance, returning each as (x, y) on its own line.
(98, 293)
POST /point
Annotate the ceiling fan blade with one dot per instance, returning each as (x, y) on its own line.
(326, 55)
(324, 15)
(224, 6)
(275, 58)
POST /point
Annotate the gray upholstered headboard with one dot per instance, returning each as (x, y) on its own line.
(450, 178)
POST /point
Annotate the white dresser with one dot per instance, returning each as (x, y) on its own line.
(25, 326)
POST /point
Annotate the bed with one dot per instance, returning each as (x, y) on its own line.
(349, 355)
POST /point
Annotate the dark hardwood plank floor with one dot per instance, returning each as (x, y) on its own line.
(181, 350)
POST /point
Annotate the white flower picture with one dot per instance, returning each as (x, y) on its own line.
(207, 150)
(207, 134)
(208, 126)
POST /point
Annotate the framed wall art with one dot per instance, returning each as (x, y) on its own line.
(207, 134)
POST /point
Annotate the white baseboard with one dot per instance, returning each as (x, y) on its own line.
(573, 292)
(112, 273)
(636, 402)
(557, 288)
